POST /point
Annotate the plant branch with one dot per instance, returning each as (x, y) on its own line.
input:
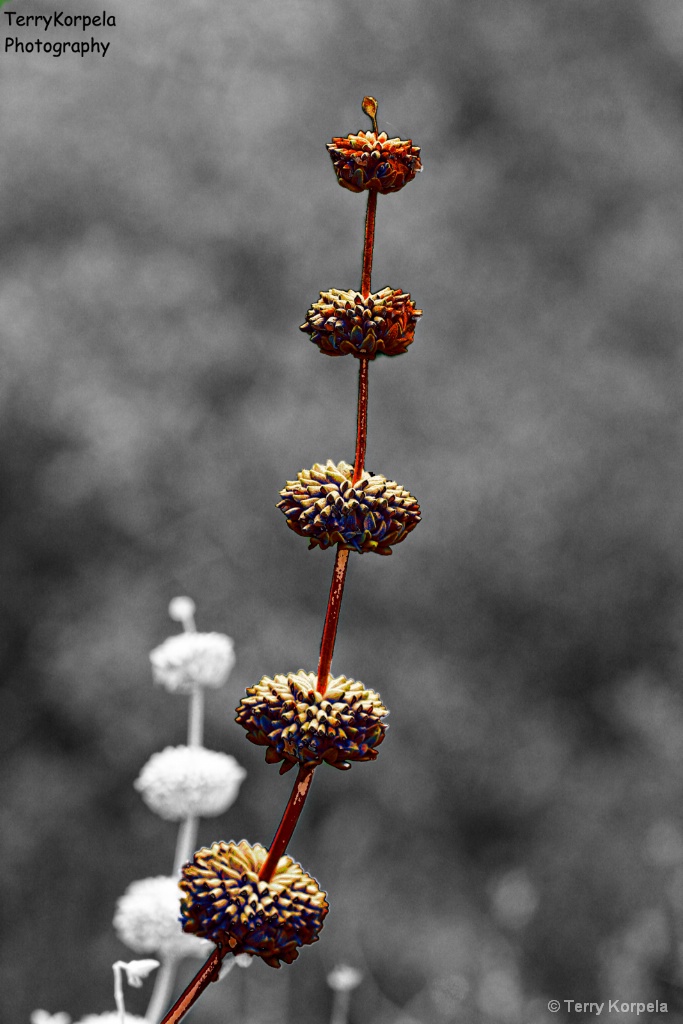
(369, 242)
(187, 842)
(362, 427)
(341, 1002)
(204, 976)
(332, 618)
(118, 992)
(362, 420)
(195, 718)
(286, 827)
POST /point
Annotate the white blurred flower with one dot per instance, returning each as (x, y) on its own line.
(181, 781)
(137, 970)
(113, 1017)
(147, 919)
(43, 1017)
(344, 978)
(190, 659)
(514, 898)
(241, 960)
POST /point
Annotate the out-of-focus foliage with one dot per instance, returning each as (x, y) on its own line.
(168, 214)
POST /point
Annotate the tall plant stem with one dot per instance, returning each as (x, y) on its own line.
(332, 618)
(341, 560)
(340, 1007)
(195, 723)
(162, 989)
(204, 976)
(369, 244)
(186, 843)
(366, 275)
(362, 421)
(286, 827)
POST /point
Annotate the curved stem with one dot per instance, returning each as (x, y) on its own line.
(163, 983)
(286, 827)
(332, 618)
(362, 420)
(369, 243)
(118, 992)
(204, 976)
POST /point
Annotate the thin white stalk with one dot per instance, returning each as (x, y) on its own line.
(161, 993)
(187, 837)
(118, 991)
(187, 842)
(195, 722)
(340, 1006)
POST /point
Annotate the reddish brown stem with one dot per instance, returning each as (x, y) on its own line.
(332, 618)
(369, 242)
(362, 420)
(204, 976)
(286, 827)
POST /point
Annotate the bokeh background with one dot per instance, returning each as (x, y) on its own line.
(168, 213)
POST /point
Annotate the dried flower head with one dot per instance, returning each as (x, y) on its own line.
(182, 781)
(381, 324)
(297, 724)
(374, 161)
(225, 901)
(146, 919)
(324, 506)
(192, 659)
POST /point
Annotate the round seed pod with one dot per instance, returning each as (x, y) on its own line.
(297, 724)
(226, 902)
(324, 506)
(374, 161)
(346, 322)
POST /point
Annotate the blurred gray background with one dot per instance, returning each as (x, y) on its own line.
(168, 214)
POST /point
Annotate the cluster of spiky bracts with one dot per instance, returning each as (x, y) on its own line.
(227, 902)
(244, 898)
(297, 724)
(349, 323)
(373, 161)
(326, 507)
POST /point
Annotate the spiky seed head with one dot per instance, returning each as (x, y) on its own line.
(346, 322)
(374, 161)
(226, 902)
(297, 724)
(324, 506)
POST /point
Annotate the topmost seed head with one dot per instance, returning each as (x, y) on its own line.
(373, 161)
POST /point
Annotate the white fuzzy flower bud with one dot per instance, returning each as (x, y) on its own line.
(192, 659)
(344, 978)
(180, 782)
(147, 919)
(182, 609)
(43, 1017)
